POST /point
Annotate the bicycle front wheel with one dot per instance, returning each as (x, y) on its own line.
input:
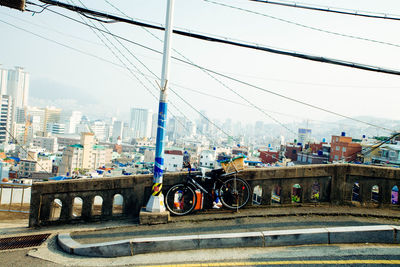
(235, 193)
(180, 199)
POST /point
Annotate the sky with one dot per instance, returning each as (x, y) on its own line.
(71, 68)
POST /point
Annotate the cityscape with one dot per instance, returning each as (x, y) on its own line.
(199, 133)
(53, 143)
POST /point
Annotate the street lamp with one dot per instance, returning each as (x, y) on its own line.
(156, 201)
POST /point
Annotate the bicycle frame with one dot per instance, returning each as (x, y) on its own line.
(196, 185)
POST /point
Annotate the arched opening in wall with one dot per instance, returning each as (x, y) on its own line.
(77, 207)
(276, 195)
(395, 195)
(355, 195)
(375, 194)
(118, 204)
(97, 204)
(257, 195)
(55, 210)
(296, 193)
(315, 192)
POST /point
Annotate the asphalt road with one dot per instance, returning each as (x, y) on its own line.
(343, 255)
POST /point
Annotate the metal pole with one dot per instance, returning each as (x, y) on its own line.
(1, 193)
(156, 201)
(22, 199)
(11, 197)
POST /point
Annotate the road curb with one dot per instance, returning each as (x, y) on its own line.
(332, 235)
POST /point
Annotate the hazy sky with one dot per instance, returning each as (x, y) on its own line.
(77, 80)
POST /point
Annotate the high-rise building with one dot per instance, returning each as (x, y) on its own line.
(141, 122)
(3, 81)
(154, 125)
(117, 131)
(18, 86)
(99, 128)
(19, 115)
(15, 83)
(55, 128)
(204, 122)
(49, 143)
(126, 132)
(71, 119)
(191, 128)
(5, 118)
(51, 115)
(304, 136)
(37, 116)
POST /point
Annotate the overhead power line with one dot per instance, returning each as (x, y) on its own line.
(374, 146)
(336, 10)
(228, 41)
(220, 82)
(25, 150)
(197, 66)
(303, 25)
(103, 35)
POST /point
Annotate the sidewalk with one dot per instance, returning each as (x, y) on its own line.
(221, 228)
(252, 227)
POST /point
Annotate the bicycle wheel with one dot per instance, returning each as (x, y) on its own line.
(180, 199)
(235, 193)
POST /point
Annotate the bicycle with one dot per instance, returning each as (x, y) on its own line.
(182, 198)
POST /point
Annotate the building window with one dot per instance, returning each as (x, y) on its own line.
(336, 157)
(343, 149)
(337, 148)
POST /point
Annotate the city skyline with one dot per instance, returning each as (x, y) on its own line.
(343, 90)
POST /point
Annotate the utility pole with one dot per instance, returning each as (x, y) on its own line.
(156, 201)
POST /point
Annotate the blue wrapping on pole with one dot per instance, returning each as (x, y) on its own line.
(159, 160)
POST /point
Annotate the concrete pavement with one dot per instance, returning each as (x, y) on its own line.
(261, 227)
(254, 227)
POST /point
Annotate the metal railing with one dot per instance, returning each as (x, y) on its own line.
(13, 196)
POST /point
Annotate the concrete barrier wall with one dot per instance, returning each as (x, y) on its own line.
(335, 183)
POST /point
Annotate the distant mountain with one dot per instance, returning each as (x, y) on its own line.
(52, 90)
(50, 93)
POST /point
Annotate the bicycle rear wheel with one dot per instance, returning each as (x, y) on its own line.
(180, 199)
(235, 193)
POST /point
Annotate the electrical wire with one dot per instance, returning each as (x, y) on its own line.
(230, 41)
(333, 10)
(289, 98)
(138, 70)
(92, 55)
(43, 26)
(303, 25)
(197, 66)
(119, 37)
(122, 54)
(219, 81)
(26, 151)
(374, 146)
(172, 90)
(61, 44)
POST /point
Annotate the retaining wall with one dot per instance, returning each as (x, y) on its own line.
(335, 184)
